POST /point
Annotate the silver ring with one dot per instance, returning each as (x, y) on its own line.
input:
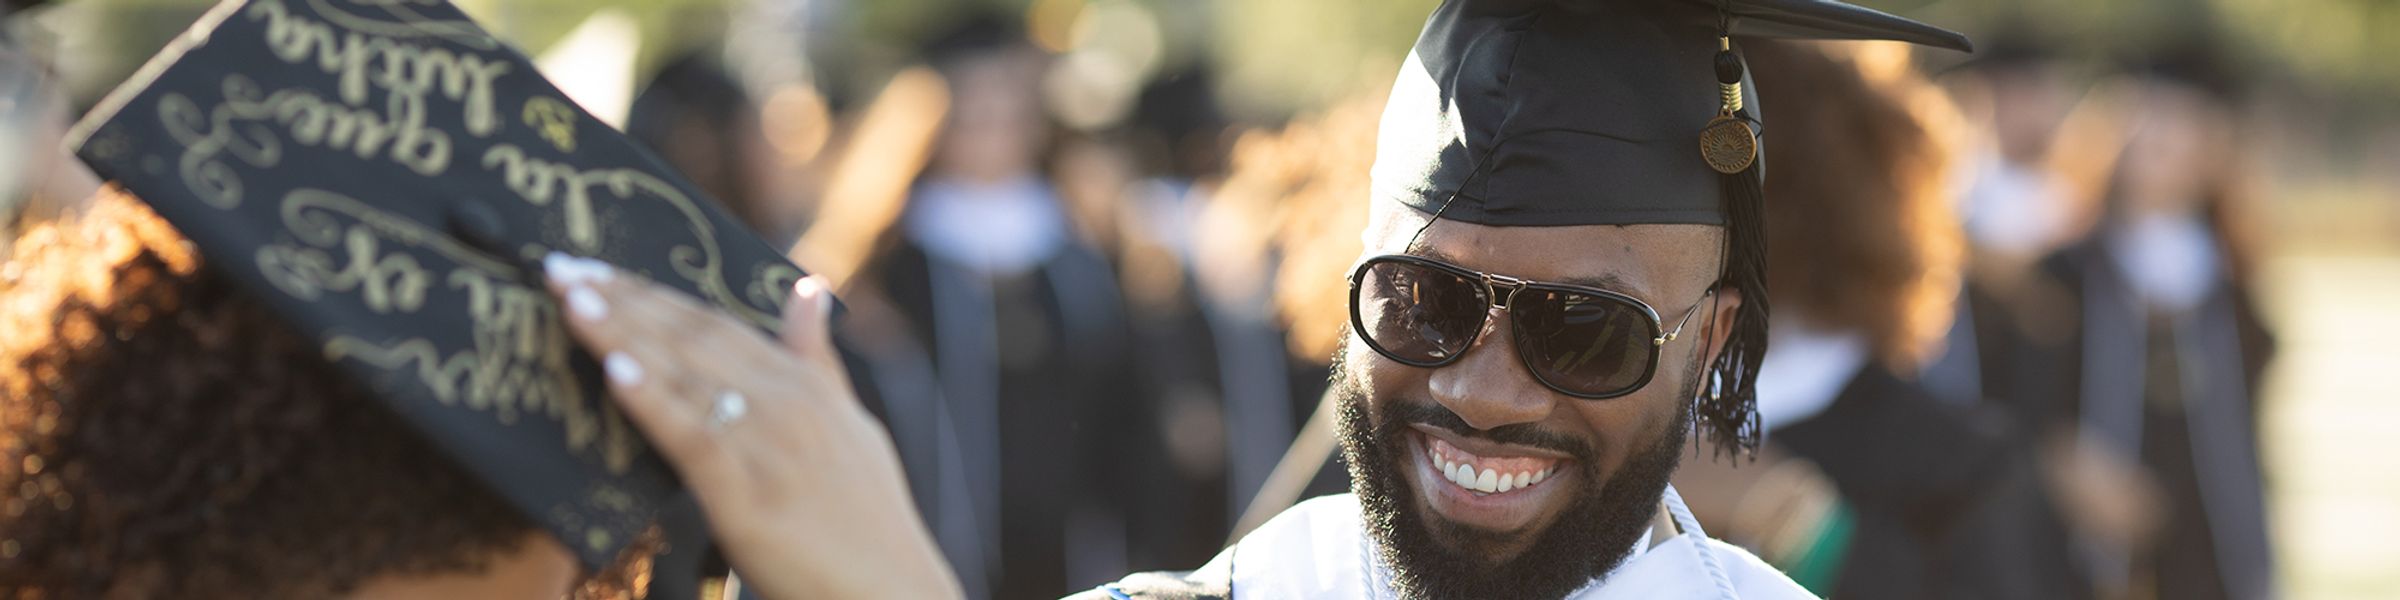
(730, 407)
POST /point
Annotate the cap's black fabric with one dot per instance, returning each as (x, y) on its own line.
(388, 176)
(1582, 112)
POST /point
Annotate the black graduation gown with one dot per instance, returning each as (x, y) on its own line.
(1039, 394)
(2181, 391)
(1178, 516)
(1942, 498)
(1993, 343)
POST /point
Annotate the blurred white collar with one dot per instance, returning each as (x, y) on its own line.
(1805, 369)
(1001, 228)
(2170, 261)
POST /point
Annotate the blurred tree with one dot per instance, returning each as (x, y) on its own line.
(1280, 57)
(107, 39)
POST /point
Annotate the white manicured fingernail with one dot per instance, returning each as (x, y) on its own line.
(561, 268)
(808, 287)
(622, 369)
(601, 270)
(554, 266)
(567, 269)
(585, 303)
(820, 295)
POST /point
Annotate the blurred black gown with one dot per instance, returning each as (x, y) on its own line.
(2178, 387)
(1023, 466)
(1038, 413)
(1946, 505)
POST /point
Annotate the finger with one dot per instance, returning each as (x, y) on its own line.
(673, 422)
(659, 406)
(697, 340)
(808, 330)
(703, 353)
(570, 280)
(805, 328)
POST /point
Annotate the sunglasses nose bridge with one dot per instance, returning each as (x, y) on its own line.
(1493, 284)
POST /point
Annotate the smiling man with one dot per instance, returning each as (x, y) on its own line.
(1563, 278)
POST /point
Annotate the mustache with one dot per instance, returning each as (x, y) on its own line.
(1402, 413)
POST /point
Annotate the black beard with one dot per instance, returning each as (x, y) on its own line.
(1448, 560)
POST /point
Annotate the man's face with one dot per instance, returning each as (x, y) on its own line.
(1604, 463)
(995, 130)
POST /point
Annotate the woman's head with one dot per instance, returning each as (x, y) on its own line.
(162, 434)
(1861, 232)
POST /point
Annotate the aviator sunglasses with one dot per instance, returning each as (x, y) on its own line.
(1582, 341)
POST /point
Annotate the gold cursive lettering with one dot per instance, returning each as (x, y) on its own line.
(200, 165)
(516, 361)
(553, 120)
(312, 121)
(540, 182)
(410, 70)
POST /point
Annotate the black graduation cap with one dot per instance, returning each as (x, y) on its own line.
(388, 176)
(1608, 112)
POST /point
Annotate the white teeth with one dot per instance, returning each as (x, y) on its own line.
(1488, 481)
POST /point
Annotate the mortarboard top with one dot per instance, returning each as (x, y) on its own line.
(388, 175)
(1586, 111)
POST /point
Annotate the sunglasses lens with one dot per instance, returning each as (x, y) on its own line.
(1583, 343)
(1418, 314)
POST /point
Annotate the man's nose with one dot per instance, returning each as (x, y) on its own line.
(1488, 387)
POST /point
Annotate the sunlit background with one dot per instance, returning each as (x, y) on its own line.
(2320, 118)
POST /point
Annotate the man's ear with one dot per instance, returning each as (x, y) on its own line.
(1726, 303)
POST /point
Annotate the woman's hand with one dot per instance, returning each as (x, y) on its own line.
(802, 488)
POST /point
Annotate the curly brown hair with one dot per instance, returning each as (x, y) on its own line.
(162, 434)
(1861, 233)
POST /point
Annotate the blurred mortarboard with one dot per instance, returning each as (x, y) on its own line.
(1607, 112)
(388, 175)
(972, 34)
(2195, 62)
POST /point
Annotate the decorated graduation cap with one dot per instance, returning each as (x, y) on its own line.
(387, 176)
(1609, 112)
